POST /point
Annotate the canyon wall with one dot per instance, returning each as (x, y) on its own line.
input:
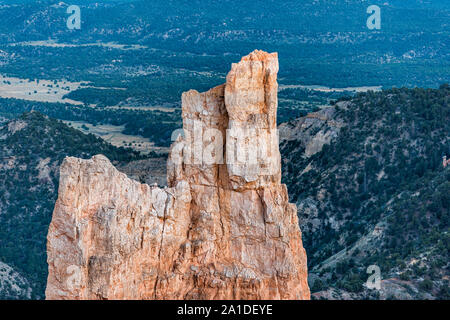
(222, 229)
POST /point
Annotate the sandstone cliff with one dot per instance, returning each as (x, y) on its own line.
(222, 229)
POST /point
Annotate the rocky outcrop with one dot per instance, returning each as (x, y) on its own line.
(150, 171)
(222, 229)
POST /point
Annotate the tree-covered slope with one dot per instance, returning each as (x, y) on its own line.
(31, 150)
(368, 178)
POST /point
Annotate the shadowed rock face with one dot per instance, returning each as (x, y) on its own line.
(221, 230)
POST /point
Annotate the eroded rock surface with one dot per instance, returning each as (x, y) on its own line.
(220, 230)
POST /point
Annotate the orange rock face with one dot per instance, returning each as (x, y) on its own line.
(222, 229)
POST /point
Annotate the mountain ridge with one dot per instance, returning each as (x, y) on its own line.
(373, 190)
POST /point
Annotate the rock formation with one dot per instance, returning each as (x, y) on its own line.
(222, 229)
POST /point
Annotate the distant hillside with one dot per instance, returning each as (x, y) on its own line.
(31, 150)
(153, 124)
(368, 179)
(192, 43)
(12, 284)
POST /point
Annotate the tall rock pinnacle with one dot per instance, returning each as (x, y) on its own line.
(222, 229)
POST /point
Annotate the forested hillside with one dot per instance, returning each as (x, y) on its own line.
(368, 179)
(142, 46)
(31, 150)
(153, 124)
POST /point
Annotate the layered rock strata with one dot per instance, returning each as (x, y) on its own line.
(222, 229)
